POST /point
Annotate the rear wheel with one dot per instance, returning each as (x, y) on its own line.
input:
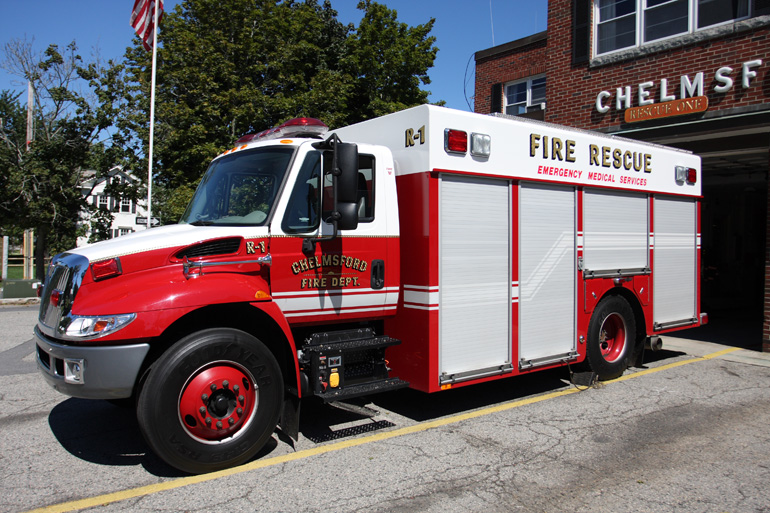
(211, 401)
(611, 335)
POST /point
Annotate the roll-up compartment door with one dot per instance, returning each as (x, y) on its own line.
(674, 261)
(615, 231)
(474, 277)
(547, 277)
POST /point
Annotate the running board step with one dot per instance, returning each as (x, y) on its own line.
(349, 363)
(351, 391)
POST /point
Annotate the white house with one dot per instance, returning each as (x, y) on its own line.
(127, 216)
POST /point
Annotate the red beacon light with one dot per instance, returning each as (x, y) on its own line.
(297, 127)
(455, 141)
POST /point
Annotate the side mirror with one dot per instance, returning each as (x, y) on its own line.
(344, 172)
(348, 216)
(347, 180)
(347, 185)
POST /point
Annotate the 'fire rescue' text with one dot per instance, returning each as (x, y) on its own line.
(554, 148)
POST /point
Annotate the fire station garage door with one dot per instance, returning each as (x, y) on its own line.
(474, 277)
(674, 261)
(547, 274)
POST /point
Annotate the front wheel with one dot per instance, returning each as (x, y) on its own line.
(211, 401)
(611, 335)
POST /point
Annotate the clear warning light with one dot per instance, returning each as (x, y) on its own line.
(481, 145)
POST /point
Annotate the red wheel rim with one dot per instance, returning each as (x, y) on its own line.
(218, 401)
(612, 337)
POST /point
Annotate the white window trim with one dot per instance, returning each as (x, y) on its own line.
(528, 81)
(125, 202)
(641, 7)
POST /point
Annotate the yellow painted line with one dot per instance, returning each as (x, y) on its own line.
(109, 498)
(672, 365)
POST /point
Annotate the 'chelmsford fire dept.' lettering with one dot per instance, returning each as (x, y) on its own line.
(338, 261)
(554, 148)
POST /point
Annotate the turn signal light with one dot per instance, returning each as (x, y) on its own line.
(106, 269)
(455, 141)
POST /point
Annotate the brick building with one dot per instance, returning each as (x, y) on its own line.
(693, 74)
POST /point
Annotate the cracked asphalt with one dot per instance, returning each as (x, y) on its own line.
(685, 433)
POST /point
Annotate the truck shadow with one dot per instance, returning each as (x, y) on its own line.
(104, 434)
(322, 423)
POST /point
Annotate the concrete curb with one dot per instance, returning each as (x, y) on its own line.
(20, 301)
(700, 348)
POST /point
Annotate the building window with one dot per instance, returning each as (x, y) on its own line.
(616, 25)
(621, 24)
(125, 205)
(713, 12)
(103, 202)
(525, 96)
(665, 18)
(124, 231)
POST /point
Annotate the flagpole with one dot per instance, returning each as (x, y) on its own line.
(152, 112)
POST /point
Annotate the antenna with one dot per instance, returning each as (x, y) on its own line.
(491, 22)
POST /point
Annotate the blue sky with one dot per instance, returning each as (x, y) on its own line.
(462, 28)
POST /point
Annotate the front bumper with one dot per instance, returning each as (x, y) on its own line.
(107, 372)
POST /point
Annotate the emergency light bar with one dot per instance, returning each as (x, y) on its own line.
(297, 127)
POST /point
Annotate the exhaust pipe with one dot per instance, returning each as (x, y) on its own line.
(653, 344)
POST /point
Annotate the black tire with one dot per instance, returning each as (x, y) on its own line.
(198, 429)
(611, 337)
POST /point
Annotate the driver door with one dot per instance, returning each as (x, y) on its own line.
(338, 280)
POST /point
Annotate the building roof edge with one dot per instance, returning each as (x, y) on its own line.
(512, 45)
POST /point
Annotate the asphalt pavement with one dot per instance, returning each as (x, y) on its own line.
(687, 432)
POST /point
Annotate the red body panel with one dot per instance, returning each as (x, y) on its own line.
(334, 284)
(416, 324)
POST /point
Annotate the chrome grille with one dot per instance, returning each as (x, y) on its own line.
(65, 275)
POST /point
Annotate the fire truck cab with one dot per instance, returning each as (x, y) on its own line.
(429, 248)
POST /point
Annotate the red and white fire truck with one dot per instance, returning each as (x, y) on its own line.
(429, 248)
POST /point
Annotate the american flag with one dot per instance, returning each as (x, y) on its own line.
(142, 20)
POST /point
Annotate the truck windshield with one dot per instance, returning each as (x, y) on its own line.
(240, 188)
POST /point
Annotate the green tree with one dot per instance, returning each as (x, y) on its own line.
(230, 67)
(74, 105)
(391, 61)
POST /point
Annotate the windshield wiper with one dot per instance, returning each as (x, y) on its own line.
(202, 223)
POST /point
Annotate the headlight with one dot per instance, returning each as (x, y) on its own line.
(96, 326)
